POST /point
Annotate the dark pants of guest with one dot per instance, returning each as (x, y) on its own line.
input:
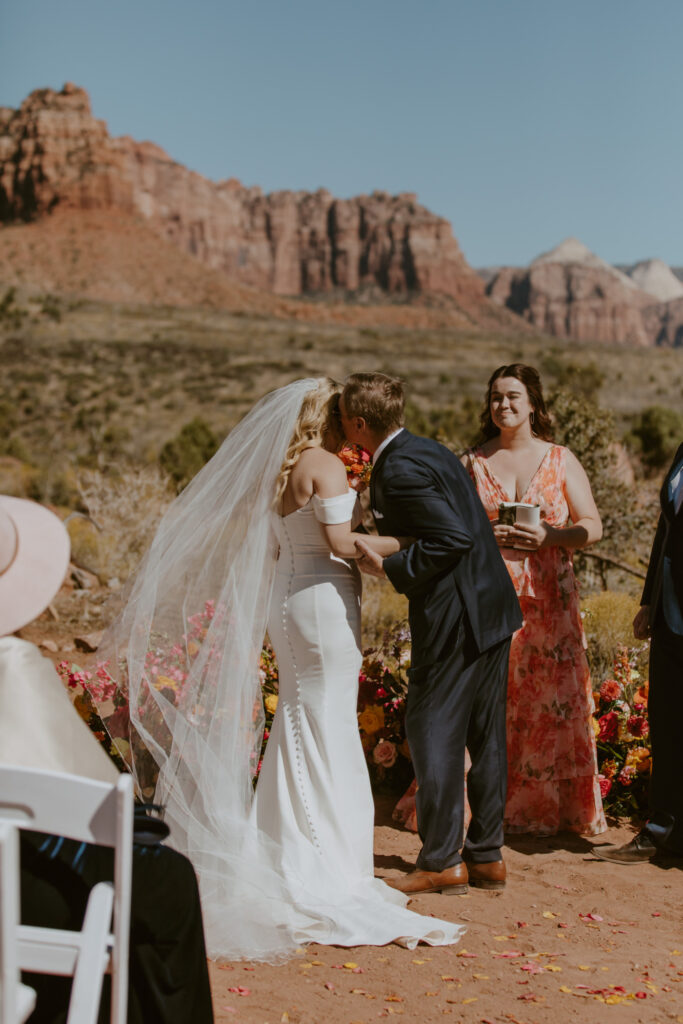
(455, 703)
(169, 981)
(665, 711)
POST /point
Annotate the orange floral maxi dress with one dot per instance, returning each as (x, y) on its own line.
(552, 761)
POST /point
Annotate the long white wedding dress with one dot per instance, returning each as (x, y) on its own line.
(292, 862)
(313, 796)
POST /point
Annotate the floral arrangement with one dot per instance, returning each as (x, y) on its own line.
(382, 692)
(620, 720)
(621, 731)
(84, 689)
(358, 465)
(269, 687)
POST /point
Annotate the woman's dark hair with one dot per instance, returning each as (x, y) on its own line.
(541, 423)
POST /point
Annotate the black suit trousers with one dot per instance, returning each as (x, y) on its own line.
(665, 711)
(458, 702)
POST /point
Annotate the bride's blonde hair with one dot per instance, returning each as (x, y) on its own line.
(318, 424)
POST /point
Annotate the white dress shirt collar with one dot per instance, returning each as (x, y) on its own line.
(387, 440)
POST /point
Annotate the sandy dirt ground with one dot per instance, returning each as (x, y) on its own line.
(571, 938)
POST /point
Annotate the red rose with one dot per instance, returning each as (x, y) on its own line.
(609, 726)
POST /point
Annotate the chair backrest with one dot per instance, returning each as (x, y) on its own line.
(9, 919)
(89, 811)
(62, 805)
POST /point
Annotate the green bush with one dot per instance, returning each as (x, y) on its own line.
(589, 432)
(188, 451)
(655, 435)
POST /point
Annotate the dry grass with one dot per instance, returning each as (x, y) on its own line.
(124, 507)
(608, 624)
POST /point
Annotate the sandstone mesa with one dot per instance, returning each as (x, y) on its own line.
(55, 155)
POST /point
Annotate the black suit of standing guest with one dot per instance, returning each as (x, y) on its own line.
(663, 593)
(463, 610)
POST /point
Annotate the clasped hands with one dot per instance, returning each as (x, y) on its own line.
(369, 561)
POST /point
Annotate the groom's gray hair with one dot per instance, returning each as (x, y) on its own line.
(376, 397)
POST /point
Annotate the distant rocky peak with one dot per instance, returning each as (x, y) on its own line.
(572, 251)
(656, 278)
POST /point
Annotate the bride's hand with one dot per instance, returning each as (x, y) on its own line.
(369, 561)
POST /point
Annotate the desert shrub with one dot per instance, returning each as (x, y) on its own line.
(608, 624)
(456, 426)
(17, 478)
(125, 506)
(55, 484)
(582, 379)
(188, 451)
(589, 432)
(51, 307)
(11, 314)
(655, 435)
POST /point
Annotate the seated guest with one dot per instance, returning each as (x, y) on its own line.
(39, 728)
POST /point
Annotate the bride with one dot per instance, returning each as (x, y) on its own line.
(262, 537)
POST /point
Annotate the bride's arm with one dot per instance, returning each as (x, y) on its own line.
(330, 481)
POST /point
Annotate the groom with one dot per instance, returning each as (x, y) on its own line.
(463, 610)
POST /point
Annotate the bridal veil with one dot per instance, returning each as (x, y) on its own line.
(185, 651)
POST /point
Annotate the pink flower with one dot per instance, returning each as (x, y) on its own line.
(610, 689)
(609, 726)
(638, 725)
(605, 785)
(385, 753)
(626, 774)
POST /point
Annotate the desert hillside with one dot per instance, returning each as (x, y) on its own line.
(55, 156)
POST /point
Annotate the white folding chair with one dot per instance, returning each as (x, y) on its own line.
(16, 1000)
(92, 812)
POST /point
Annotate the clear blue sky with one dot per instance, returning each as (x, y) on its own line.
(521, 121)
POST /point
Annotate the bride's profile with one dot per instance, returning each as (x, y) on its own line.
(262, 539)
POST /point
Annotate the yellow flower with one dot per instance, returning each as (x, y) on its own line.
(271, 703)
(596, 727)
(123, 747)
(192, 648)
(161, 682)
(371, 720)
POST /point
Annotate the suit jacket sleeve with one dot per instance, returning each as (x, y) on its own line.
(426, 514)
(653, 564)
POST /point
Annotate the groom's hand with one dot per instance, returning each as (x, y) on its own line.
(370, 562)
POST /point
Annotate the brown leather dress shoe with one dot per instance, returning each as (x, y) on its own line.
(451, 882)
(487, 876)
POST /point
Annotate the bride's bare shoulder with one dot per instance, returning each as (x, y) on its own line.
(317, 461)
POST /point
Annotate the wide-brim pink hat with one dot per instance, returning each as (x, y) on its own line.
(34, 557)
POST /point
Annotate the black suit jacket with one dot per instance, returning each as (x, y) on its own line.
(663, 589)
(419, 488)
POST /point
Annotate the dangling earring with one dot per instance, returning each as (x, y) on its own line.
(531, 417)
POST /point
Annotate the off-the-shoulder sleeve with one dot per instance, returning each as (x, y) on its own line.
(332, 511)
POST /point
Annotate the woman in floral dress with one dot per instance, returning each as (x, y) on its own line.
(552, 765)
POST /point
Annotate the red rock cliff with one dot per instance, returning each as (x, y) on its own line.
(54, 153)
